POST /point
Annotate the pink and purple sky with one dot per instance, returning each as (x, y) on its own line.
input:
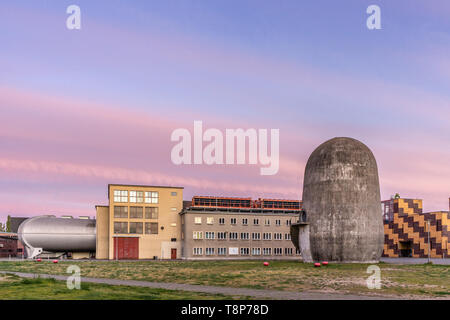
(83, 108)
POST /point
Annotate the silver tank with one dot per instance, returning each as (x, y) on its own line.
(58, 234)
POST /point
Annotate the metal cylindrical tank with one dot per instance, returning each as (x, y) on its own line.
(58, 234)
(341, 196)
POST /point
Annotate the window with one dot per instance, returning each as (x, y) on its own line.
(209, 220)
(197, 235)
(120, 196)
(173, 209)
(297, 251)
(278, 223)
(221, 251)
(278, 251)
(120, 212)
(221, 235)
(288, 251)
(267, 251)
(245, 221)
(120, 227)
(256, 236)
(198, 251)
(233, 220)
(256, 251)
(288, 222)
(267, 222)
(198, 220)
(151, 213)
(233, 235)
(278, 236)
(256, 222)
(136, 196)
(245, 251)
(221, 220)
(136, 227)
(209, 251)
(244, 235)
(173, 194)
(151, 228)
(287, 236)
(136, 212)
(209, 235)
(151, 197)
(267, 236)
(233, 251)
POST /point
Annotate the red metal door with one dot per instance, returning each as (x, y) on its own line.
(173, 254)
(126, 248)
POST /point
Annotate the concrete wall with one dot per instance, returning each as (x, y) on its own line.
(102, 246)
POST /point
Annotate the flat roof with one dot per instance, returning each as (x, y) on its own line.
(142, 186)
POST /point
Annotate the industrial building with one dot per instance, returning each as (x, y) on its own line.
(140, 222)
(153, 222)
(238, 228)
(408, 232)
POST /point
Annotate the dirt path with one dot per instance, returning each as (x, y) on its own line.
(255, 293)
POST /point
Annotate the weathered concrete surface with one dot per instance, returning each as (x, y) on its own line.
(341, 196)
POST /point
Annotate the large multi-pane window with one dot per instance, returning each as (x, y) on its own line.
(151, 228)
(245, 221)
(256, 251)
(151, 197)
(197, 235)
(209, 251)
(151, 213)
(287, 236)
(136, 196)
(267, 251)
(221, 220)
(120, 212)
(278, 223)
(245, 251)
(244, 236)
(120, 196)
(256, 236)
(209, 220)
(221, 235)
(278, 251)
(233, 220)
(136, 212)
(267, 236)
(209, 235)
(198, 251)
(288, 251)
(136, 227)
(278, 236)
(267, 222)
(256, 222)
(198, 220)
(221, 251)
(120, 227)
(233, 235)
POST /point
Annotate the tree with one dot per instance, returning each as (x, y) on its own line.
(8, 224)
(2, 227)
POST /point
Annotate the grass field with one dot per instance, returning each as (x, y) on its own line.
(15, 288)
(406, 280)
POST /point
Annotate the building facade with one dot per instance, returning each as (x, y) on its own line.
(408, 232)
(140, 222)
(233, 232)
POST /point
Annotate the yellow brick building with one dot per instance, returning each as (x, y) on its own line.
(407, 229)
(140, 222)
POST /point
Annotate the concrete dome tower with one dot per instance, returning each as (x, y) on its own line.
(341, 197)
